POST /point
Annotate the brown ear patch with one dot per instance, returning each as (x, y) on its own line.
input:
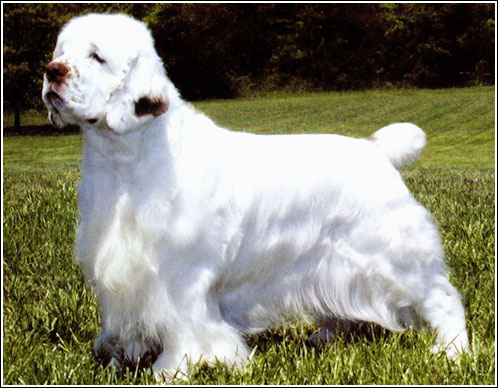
(150, 106)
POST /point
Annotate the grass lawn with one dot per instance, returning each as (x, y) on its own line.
(50, 319)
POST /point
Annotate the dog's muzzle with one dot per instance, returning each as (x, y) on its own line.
(55, 100)
(56, 72)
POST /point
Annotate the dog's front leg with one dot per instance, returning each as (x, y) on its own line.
(206, 342)
(200, 334)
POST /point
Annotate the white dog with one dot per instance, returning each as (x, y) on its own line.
(193, 235)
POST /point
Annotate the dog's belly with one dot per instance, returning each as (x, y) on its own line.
(331, 261)
(279, 266)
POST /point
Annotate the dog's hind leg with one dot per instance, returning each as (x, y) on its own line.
(330, 328)
(443, 310)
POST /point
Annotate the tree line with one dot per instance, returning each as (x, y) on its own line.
(222, 50)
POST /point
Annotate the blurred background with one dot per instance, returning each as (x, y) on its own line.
(232, 50)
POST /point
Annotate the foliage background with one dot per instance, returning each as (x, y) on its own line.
(226, 50)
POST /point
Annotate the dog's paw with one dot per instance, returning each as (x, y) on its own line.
(452, 353)
(321, 338)
(108, 350)
(331, 328)
(168, 376)
(141, 353)
(115, 353)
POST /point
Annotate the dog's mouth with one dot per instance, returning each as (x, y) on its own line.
(55, 100)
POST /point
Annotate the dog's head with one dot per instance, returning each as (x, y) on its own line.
(105, 73)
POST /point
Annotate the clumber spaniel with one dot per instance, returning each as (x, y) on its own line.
(192, 235)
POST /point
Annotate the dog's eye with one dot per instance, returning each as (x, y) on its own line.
(97, 58)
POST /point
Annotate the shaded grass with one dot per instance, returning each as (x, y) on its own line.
(50, 319)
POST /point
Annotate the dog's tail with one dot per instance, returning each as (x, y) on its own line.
(402, 143)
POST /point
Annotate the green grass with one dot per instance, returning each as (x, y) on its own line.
(50, 319)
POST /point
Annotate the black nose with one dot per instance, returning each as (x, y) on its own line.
(56, 72)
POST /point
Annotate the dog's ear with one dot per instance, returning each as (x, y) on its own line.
(140, 97)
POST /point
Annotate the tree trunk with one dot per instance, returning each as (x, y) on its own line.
(17, 120)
